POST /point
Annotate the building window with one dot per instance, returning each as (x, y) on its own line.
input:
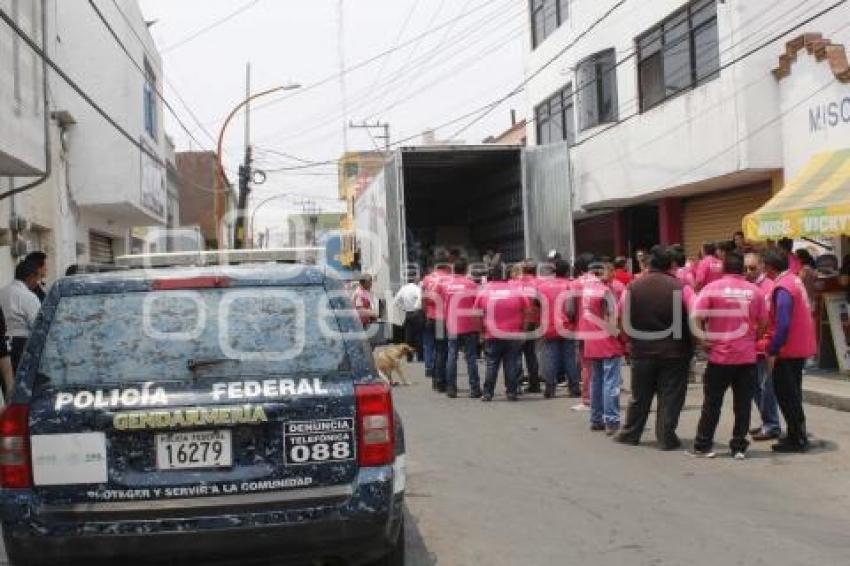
(546, 17)
(150, 101)
(555, 119)
(678, 54)
(597, 89)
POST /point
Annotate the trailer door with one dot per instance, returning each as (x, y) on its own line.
(547, 200)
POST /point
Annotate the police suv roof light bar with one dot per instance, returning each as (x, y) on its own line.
(306, 255)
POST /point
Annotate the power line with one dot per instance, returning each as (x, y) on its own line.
(210, 27)
(76, 88)
(401, 32)
(374, 58)
(368, 96)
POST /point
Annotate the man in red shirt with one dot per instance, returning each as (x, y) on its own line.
(458, 293)
(621, 274)
(505, 312)
(709, 268)
(732, 315)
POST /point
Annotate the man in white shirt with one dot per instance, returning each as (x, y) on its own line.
(409, 300)
(20, 307)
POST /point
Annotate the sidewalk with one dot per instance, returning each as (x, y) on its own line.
(820, 387)
(831, 390)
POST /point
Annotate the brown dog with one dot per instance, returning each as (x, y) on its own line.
(390, 360)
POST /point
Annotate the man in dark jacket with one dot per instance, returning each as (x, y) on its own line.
(656, 320)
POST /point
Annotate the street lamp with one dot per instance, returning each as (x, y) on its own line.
(260, 205)
(245, 173)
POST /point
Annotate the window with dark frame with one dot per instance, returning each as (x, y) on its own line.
(678, 54)
(546, 17)
(150, 101)
(597, 90)
(555, 119)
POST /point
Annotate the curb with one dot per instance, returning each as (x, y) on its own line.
(827, 400)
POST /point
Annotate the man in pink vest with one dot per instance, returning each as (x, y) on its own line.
(458, 294)
(732, 315)
(559, 345)
(792, 342)
(604, 350)
(709, 268)
(505, 313)
(765, 396)
(526, 283)
(434, 335)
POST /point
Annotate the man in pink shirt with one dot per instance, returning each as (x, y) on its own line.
(709, 268)
(765, 396)
(526, 283)
(434, 338)
(559, 345)
(459, 293)
(603, 348)
(505, 313)
(732, 315)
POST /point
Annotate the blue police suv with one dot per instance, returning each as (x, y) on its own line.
(212, 415)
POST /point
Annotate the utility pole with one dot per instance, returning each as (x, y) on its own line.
(244, 169)
(364, 125)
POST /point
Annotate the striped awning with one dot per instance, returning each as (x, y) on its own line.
(816, 203)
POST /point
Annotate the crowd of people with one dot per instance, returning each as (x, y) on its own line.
(575, 326)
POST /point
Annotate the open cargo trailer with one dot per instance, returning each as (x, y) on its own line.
(513, 200)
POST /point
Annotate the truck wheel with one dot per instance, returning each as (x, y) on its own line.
(396, 556)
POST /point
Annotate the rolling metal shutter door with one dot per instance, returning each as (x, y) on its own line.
(595, 235)
(100, 249)
(715, 217)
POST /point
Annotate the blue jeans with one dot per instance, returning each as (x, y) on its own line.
(469, 342)
(765, 398)
(429, 346)
(505, 353)
(605, 382)
(559, 359)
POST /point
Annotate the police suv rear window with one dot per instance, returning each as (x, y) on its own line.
(181, 335)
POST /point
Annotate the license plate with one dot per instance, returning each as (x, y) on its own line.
(194, 450)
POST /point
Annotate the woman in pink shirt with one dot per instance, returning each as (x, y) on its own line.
(732, 314)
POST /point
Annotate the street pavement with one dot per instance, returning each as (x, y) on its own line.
(528, 484)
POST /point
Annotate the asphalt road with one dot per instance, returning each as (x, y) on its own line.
(528, 484)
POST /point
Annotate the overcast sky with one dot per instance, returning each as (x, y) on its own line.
(466, 63)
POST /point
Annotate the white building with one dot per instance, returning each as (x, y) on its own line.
(100, 183)
(678, 123)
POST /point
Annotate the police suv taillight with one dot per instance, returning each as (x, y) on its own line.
(375, 430)
(15, 466)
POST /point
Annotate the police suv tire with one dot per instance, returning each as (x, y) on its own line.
(396, 555)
